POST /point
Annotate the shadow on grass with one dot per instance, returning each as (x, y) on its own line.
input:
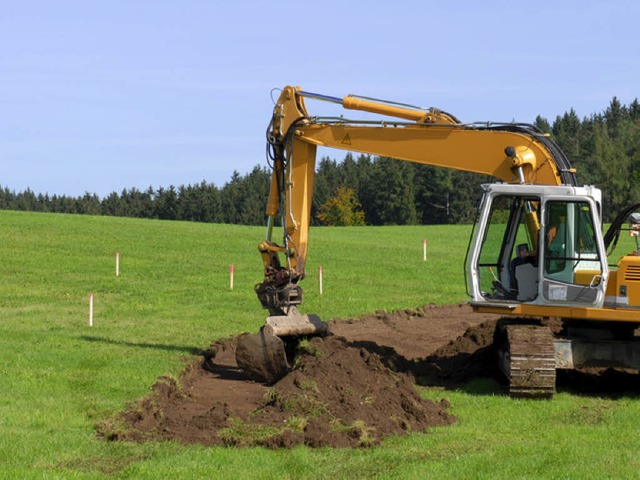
(603, 383)
(156, 346)
(477, 373)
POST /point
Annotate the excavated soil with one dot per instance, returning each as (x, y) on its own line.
(352, 388)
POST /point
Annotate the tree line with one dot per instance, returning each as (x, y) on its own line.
(604, 148)
(242, 200)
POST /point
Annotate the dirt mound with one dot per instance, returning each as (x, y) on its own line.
(352, 388)
(341, 395)
(338, 395)
(471, 355)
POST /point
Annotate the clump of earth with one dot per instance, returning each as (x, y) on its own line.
(352, 388)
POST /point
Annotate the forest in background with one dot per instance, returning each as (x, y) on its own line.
(604, 148)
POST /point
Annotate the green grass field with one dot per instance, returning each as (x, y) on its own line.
(61, 377)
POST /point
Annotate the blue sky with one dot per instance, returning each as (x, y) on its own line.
(98, 96)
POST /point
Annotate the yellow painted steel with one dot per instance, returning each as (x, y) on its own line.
(299, 188)
(579, 313)
(419, 116)
(626, 280)
(470, 150)
(295, 136)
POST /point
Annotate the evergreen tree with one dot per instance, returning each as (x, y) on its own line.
(230, 199)
(26, 201)
(166, 204)
(389, 196)
(542, 124)
(210, 208)
(255, 192)
(89, 204)
(111, 205)
(434, 187)
(465, 196)
(614, 116)
(634, 111)
(567, 134)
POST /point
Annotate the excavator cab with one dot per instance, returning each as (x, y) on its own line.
(538, 245)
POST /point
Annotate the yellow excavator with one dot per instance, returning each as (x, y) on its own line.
(537, 249)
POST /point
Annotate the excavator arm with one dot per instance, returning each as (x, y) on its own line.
(513, 153)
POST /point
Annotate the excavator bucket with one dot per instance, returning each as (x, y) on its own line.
(266, 356)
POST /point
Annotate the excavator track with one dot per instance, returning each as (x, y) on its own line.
(528, 361)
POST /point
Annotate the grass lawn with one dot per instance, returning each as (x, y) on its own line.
(60, 377)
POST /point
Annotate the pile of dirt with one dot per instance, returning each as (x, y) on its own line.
(442, 346)
(469, 356)
(340, 395)
(353, 388)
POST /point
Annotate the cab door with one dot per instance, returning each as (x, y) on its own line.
(574, 267)
(504, 264)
